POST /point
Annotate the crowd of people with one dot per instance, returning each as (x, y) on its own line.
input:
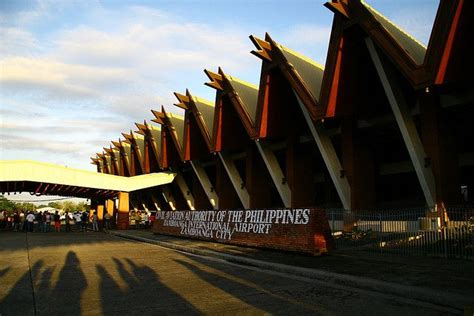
(141, 219)
(35, 221)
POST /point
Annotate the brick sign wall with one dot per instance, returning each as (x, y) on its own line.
(300, 230)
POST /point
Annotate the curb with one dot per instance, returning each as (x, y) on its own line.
(427, 295)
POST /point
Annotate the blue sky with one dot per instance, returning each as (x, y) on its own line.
(75, 74)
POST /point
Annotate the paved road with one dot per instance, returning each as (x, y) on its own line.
(94, 273)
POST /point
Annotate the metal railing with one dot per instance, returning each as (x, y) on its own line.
(446, 233)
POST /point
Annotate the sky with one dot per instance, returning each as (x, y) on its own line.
(74, 74)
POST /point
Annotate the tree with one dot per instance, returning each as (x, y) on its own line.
(68, 206)
(82, 206)
(56, 205)
(25, 207)
(6, 204)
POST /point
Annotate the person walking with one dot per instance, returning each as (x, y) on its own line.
(57, 222)
(95, 224)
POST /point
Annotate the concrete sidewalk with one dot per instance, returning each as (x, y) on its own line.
(433, 280)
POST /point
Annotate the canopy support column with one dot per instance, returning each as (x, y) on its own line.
(123, 211)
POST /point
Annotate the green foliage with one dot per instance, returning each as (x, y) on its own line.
(6, 204)
(67, 206)
(56, 205)
(24, 206)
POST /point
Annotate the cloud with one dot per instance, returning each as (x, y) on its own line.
(82, 84)
(47, 146)
(17, 41)
(56, 78)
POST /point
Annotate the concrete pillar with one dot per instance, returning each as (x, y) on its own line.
(331, 160)
(206, 184)
(110, 208)
(440, 146)
(256, 179)
(200, 198)
(228, 197)
(187, 194)
(169, 198)
(359, 166)
(278, 177)
(123, 211)
(300, 173)
(235, 179)
(100, 212)
(405, 124)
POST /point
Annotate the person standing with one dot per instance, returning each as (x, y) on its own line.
(2, 219)
(67, 222)
(30, 218)
(95, 224)
(39, 219)
(146, 219)
(84, 219)
(107, 220)
(47, 222)
(57, 222)
(16, 221)
(22, 221)
(77, 220)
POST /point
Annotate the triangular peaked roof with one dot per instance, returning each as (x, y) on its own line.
(172, 126)
(206, 109)
(203, 112)
(176, 123)
(304, 74)
(247, 92)
(420, 65)
(412, 46)
(127, 154)
(117, 158)
(243, 95)
(152, 134)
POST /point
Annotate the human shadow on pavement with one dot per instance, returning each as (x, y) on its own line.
(256, 295)
(65, 297)
(139, 290)
(19, 300)
(4, 271)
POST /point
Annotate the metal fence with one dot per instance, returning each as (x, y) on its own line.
(446, 233)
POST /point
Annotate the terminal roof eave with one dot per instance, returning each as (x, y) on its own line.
(24, 170)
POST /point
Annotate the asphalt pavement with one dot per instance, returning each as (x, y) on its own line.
(97, 273)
